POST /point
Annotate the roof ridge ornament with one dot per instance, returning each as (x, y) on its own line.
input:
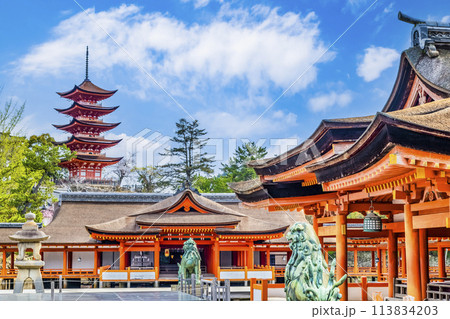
(87, 64)
(426, 34)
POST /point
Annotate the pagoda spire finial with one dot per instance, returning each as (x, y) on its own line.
(87, 64)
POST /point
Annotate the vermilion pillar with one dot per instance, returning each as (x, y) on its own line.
(393, 262)
(341, 252)
(412, 253)
(156, 254)
(216, 258)
(64, 262)
(4, 263)
(316, 229)
(250, 256)
(404, 270)
(424, 264)
(122, 256)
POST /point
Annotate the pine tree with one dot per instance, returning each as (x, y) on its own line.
(188, 149)
(237, 169)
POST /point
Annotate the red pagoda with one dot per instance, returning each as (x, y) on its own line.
(86, 129)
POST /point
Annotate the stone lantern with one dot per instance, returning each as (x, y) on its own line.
(29, 238)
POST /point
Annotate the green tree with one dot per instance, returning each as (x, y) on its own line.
(28, 167)
(188, 150)
(151, 178)
(214, 184)
(237, 169)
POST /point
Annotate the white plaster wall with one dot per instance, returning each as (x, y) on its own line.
(225, 258)
(53, 259)
(354, 293)
(87, 260)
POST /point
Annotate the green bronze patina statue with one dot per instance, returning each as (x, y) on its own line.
(307, 277)
(190, 261)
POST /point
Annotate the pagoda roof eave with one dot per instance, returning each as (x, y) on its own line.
(92, 159)
(88, 87)
(73, 139)
(88, 107)
(87, 124)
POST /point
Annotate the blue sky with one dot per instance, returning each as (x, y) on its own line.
(224, 62)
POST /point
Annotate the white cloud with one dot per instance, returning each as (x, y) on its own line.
(198, 3)
(259, 47)
(325, 101)
(375, 61)
(240, 124)
(445, 19)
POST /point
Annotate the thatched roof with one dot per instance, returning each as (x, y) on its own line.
(116, 213)
(246, 221)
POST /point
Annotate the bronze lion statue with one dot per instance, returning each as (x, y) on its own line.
(307, 277)
(190, 261)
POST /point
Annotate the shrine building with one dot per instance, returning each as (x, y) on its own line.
(395, 163)
(376, 186)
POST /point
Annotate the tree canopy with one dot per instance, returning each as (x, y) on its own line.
(237, 169)
(28, 167)
(191, 159)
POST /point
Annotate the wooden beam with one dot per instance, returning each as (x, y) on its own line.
(327, 231)
(331, 219)
(430, 221)
(356, 196)
(355, 207)
(440, 203)
(397, 227)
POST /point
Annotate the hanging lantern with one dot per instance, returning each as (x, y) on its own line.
(166, 252)
(372, 222)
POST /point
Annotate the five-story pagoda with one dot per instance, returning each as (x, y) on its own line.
(86, 129)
